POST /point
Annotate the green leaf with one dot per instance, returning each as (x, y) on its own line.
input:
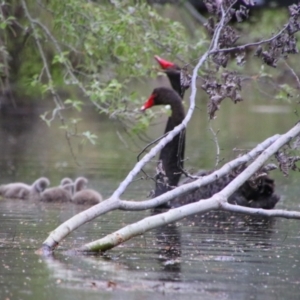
(90, 137)
(77, 104)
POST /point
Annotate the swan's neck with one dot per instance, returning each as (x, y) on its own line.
(172, 155)
(178, 114)
(174, 78)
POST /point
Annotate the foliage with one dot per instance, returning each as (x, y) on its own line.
(96, 47)
(270, 51)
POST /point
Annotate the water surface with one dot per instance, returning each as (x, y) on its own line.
(215, 256)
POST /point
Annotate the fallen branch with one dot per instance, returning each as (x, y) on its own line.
(202, 181)
(63, 230)
(110, 204)
(218, 201)
(149, 223)
(270, 146)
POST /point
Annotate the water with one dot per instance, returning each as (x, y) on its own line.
(215, 256)
(222, 257)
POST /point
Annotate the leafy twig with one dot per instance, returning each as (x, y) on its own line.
(55, 96)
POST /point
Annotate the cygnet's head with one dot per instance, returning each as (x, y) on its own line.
(80, 184)
(41, 184)
(67, 184)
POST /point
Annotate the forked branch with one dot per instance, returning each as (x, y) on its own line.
(219, 200)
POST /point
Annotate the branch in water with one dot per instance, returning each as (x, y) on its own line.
(218, 201)
(114, 202)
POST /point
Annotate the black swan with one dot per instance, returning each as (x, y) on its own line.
(172, 155)
(85, 196)
(179, 80)
(24, 191)
(258, 195)
(59, 194)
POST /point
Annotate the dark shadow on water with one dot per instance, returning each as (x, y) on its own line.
(168, 242)
(215, 235)
(232, 232)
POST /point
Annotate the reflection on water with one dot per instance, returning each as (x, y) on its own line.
(212, 256)
(215, 256)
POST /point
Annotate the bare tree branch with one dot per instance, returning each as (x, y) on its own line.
(218, 201)
(270, 146)
(114, 203)
(242, 47)
(293, 73)
(215, 139)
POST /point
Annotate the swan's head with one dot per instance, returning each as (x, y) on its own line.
(67, 184)
(80, 184)
(179, 78)
(41, 184)
(161, 96)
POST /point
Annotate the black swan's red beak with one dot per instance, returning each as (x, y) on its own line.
(149, 103)
(164, 63)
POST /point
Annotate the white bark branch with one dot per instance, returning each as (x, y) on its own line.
(283, 140)
(202, 181)
(110, 204)
(149, 223)
(261, 212)
(63, 230)
(57, 235)
(219, 200)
